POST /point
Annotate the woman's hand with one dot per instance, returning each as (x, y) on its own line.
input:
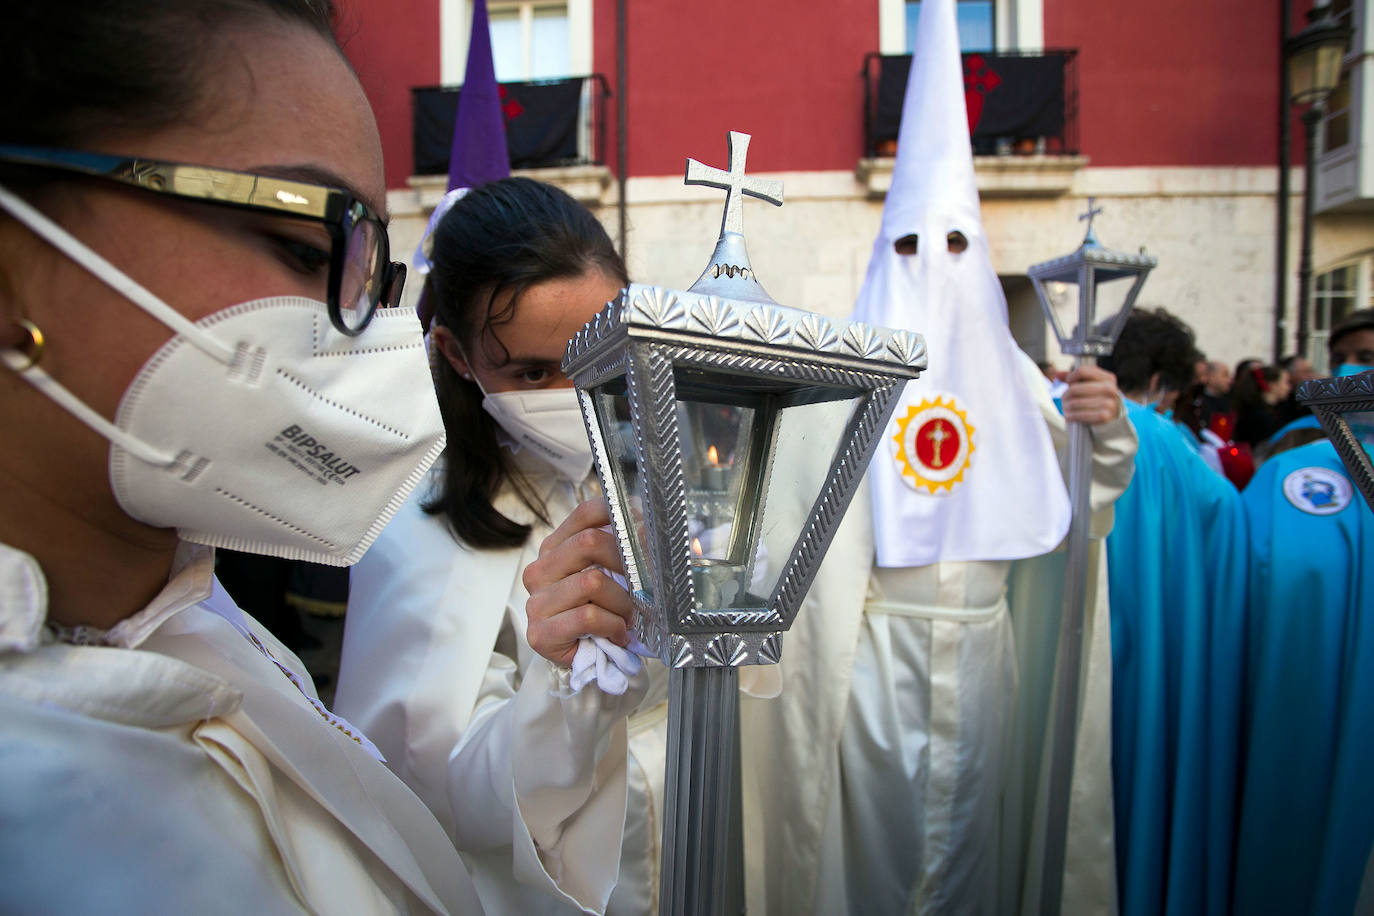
(1092, 396)
(570, 597)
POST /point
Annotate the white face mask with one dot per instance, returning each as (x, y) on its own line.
(549, 423)
(260, 427)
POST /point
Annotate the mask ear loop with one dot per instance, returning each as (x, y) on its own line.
(112, 276)
(470, 375)
(26, 366)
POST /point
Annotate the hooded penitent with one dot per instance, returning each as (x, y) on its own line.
(968, 471)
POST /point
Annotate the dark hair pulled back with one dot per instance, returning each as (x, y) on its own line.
(1249, 388)
(1153, 341)
(78, 69)
(496, 242)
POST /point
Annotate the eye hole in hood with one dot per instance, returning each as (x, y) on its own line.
(956, 242)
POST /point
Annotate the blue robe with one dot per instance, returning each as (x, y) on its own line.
(1177, 577)
(1307, 806)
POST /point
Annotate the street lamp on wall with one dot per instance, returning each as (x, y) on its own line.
(1313, 57)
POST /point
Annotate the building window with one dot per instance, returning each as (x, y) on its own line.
(1335, 294)
(984, 25)
(976, 24)
(1342, 12)
(530, 39)
(1336, 119)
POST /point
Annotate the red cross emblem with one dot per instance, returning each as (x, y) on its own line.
(979, 80)
(510, 107)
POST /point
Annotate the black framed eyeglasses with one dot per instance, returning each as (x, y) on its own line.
(362, 275)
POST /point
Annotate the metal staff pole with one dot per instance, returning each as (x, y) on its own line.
(1068, 664)
(701, 793)
(1090, 265)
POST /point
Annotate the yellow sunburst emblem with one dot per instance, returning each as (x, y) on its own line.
(934, 445)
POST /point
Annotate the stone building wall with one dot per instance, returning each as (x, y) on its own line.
(1211, 228)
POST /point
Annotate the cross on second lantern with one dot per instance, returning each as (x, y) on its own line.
(1092, 212)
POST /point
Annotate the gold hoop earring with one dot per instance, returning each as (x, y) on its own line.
(37, 344)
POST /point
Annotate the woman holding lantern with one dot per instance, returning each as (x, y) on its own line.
(477, 701)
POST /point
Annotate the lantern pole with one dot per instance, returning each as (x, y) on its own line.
(1068, 664)
(699, 846)
(1086, 342)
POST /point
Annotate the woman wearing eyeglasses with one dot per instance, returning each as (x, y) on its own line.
(195, 352)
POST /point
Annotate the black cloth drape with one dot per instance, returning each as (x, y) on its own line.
(1008, 95)
(541, 124)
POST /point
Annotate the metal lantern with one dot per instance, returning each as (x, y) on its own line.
(706, 410)
(1314, 56)
(1088, 268)
(1345, 409)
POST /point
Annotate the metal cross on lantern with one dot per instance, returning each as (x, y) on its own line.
(1087, 268)
(734, 184)
(706, 409)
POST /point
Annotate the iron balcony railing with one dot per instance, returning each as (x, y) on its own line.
(549, 123)
(1019, 102)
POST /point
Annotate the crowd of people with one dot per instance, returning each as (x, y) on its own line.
(1239, 417)
(202, 350)
(1237, 605)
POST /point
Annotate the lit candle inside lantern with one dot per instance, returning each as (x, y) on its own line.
(715, 581)
(713, 474)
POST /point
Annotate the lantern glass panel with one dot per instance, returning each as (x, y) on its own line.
(1327, 71)
(1302, 77)
(721, 462)
(716, 456)
(1063, 306)
(1362, 425)
(613, 416)
(1113, 300)
(749, 446)
(811, 430)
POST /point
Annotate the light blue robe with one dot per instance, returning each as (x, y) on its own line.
(1307, 807)
(1177, 578)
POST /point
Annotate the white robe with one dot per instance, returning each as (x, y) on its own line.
(554, 800)
(536, 785)
(180, 770)
(533, 782)
(900, 769)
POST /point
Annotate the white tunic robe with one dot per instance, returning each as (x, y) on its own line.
(536, 785)
(179, 769)
(554, 800)
(531, 780)
(900, 767)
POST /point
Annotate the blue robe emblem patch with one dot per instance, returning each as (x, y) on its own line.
(1318, 490)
